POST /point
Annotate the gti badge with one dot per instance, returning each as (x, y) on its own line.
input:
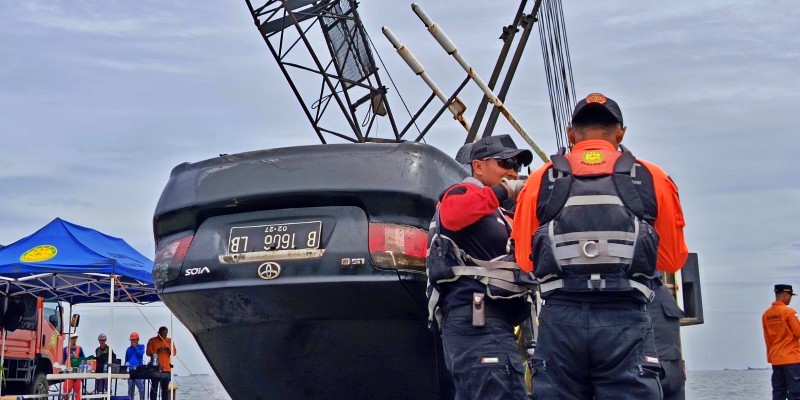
(269, 270)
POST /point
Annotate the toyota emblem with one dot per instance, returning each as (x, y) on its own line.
(269, 270)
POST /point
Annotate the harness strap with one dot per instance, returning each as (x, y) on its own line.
(502, 275)
(593, 200)
(492, 273)
(574, 251)
(594, 235)
(598, 283)
(517, 290)
(434, 311)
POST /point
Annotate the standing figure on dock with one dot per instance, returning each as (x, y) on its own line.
(479, 292)
(666, 317)
(70, 352)
(101, 354)
(162, 348)
(782, 335)
(134, 357)
(594, 225)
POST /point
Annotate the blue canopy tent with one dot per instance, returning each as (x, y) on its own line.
(71, 263)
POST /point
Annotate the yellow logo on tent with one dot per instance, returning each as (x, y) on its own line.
(39, 253)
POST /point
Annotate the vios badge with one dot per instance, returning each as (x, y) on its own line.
(269, 270)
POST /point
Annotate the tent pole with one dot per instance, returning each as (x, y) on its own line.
(3, 354)
(68, 358)
(110, 335)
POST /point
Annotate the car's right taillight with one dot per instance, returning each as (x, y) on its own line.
(169, 259)
(399, 247)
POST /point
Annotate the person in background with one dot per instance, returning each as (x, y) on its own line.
(70, 352)
(782, 335)
(666, 317)
(161, 348)
(134, 357)
(101, 355)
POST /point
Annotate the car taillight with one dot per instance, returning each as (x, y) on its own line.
(169, 259)
(397, 246)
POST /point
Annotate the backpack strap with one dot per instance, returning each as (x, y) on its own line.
(561, 187)
(624, 184)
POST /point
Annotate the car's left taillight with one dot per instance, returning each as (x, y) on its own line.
(169, 259)
(398, 247)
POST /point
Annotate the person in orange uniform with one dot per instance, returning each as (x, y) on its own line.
(782, 335)
(593, 226)
(70, 352)
(161, 348)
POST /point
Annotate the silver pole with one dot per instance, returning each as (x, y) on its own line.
(452, 50)
(457, 107)
(110, 343)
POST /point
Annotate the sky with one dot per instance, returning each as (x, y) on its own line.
(99, 100)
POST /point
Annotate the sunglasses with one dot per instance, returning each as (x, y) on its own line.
(507, 163)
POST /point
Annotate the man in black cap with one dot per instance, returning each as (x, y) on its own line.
(478, 290)
(782, 335)
(595, 225)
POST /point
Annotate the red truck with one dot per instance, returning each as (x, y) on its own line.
(34, 343)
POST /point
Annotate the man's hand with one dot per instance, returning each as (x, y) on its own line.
(513, 187)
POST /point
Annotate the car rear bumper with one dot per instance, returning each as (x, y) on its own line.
(356, 337)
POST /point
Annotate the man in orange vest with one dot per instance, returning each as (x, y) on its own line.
(782, 335)
(161, 348)
(594, 225)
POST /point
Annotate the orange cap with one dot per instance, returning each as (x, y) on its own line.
(134, 335)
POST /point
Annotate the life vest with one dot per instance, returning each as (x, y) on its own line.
(595, 233)
(446, 262)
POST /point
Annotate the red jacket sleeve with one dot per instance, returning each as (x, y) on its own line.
(463, 205)
(672, 250)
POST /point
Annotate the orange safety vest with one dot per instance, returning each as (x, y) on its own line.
(781, 334)
(669, 224)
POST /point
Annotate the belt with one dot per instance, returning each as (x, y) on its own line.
(620, 304)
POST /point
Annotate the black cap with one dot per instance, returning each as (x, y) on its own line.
(464, 154)
(500, 146)
(784, 289)
(598, 100)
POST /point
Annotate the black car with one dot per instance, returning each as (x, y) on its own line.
(300, 270)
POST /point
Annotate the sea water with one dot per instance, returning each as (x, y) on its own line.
(700, 385)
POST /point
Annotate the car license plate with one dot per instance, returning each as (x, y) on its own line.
(275, 237)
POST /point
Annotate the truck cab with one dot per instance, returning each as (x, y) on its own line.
(34, 343)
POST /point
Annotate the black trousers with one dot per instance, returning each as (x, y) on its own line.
(666, 317)
(593, 351)
(484, 361)
(163, 383)
(786, 382)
